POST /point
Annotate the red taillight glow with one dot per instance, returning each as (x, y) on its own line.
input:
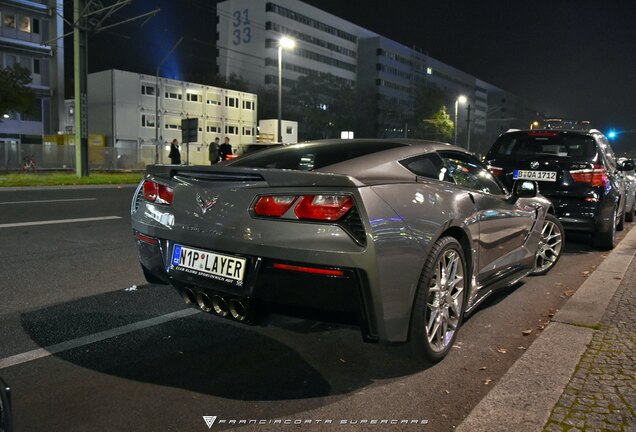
(543, 134)
(312, 270)
(323, 207)
(155, 192)
(595, 177)
(273, 205)
(146, 239)
(496, 171)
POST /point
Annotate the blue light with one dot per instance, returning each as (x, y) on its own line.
(612, 134)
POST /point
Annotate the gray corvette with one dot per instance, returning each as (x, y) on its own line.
(405, 237)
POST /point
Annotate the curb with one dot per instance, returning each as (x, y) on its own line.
(524, 397)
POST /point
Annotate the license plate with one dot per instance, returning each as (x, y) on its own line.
(208, 264)
(550, 176)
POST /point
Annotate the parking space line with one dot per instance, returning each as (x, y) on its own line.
(59, 221)
(96, 337)
(48, 201)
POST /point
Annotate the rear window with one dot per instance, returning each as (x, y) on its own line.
(308, 157)
(545, 144)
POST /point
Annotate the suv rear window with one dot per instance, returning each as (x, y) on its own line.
(308, 157)
(545, 144)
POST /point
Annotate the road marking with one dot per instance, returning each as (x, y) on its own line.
(96, 337)
(48, 201)
(59, 221)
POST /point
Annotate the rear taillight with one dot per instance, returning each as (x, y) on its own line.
(308, 207)
(496, 171)
(595, 177)
(158, 193)
(273, 205)
(323, 207)
(311, 270)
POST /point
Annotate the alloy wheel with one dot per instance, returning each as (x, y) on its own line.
(445, 300)
(550, 246)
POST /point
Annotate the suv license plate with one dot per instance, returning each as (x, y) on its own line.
(550, 176)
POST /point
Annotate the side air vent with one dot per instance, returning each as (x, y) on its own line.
(354, 226)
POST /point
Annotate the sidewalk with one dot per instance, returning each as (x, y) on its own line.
(580, 374)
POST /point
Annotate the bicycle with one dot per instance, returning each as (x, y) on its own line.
(28, 164)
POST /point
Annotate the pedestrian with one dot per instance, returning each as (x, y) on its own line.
(225, 150)
(214, 151)
(175, 154)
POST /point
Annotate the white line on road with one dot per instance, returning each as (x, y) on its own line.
(48, 201)
(59, 221)
(97, 337)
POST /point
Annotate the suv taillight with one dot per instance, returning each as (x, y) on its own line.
(595, 177)
(158, 193)
(308, 207)
(496, 171)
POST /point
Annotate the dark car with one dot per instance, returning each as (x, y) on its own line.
(576, 170)
(403, 236)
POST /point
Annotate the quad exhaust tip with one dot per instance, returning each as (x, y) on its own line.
(204, 302)
(189, 297)
(238, 310)
(219, 305)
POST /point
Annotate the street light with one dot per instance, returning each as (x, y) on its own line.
(174, 47)
(462, 99)
(534, 125)
(289, 44)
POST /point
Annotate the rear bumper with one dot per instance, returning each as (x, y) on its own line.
(577, 214)
(344, 298)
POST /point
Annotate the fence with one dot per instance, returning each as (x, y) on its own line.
(14, 156)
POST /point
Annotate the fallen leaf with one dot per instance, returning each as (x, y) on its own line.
(132, 288)
(446, 391)
(343, 360)
(558, 283)
(483, 368)
(522, 348)
(569, 293)
(617, 278)
(526, 332)
(502, 350)
(487, 381)
(551, 314)
(585, 273)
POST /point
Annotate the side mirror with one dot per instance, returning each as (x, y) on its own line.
(525, 189)
(627, 165)
(6, 422)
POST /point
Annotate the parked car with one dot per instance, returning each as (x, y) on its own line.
(6, 420)
(576, 170)
(405, 236)
(629, 177)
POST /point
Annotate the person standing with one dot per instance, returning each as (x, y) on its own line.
(214, 151)
(175, 154)
(225, 150)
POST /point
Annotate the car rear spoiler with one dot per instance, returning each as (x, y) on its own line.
(273, 177)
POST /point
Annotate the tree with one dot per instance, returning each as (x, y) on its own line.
(15, 95)
(439, 127)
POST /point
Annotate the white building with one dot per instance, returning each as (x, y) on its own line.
(24, 26)
(124, 106)
(247, 45)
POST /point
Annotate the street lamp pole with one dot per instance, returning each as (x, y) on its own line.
(157, 98)
(468, 126)
(460, 99)
(286, 43)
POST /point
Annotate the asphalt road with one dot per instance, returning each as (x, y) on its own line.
(77, 281)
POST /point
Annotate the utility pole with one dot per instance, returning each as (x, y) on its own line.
(80, 76)
(468, 127)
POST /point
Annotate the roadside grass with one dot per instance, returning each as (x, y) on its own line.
(58, 178)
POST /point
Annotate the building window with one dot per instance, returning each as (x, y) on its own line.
(231, 102)
(214, 100)
(36, 66)
(148, 120)
(213, 128)
(194, 97)
(36, 26)
(173, 93)
(247, 131)
(231, 130)
(8, 20)
(10, 60)
(289, 130)
(429, 70)
(147, 89)
(25, 24)
(248, 105)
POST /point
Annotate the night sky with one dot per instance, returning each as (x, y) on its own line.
(571, 58)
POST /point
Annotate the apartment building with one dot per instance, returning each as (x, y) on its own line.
(126, 108)
(28, 36)
(247, 45)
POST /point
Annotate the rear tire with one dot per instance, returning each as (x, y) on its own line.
(438, 309)
(606, 240)
(550, 245)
